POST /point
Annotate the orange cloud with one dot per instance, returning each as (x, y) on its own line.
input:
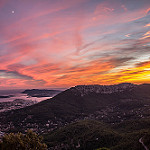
(147, 25)
(75, 42)
(146, 35)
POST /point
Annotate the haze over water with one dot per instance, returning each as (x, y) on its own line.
(17, 94)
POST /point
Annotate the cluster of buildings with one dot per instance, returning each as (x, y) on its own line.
(103, 89)
(16, 104)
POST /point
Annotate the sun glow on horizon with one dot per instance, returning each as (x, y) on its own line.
(46, 44)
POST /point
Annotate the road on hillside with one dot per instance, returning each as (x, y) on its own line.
(140, 140)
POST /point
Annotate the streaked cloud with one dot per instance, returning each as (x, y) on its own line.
(64, 43)
(13, 75)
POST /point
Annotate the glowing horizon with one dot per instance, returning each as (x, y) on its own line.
(63, 43)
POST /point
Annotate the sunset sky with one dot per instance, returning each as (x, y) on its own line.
(63, 43)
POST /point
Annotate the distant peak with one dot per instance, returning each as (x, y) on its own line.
(99, 86)
(104, 89)
(125, 83)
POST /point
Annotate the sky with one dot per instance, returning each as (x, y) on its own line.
(63, 43)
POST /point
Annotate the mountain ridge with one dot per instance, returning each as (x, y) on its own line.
(133, 102)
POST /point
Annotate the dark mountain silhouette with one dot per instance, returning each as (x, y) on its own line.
(111, 104)
(41, 92)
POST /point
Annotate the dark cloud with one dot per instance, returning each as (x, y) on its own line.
(35, 82)
(143, 20)
(15, 66)
(14, 75)
(143, 63)
(148, 13)
(49, 67)
(78, 68)
(121, 61)
(138, 47)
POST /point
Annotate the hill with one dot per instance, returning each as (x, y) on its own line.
(41, 92)
(111, 104)
(88, 134)
(91, 135)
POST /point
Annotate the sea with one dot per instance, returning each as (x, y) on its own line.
(17, 94)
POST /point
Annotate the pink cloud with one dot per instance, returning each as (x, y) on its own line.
(64, 45)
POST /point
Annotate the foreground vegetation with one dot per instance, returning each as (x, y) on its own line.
(92, 135)
(19, 141)
(84, 135)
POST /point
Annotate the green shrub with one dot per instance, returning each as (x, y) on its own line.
(19, 141)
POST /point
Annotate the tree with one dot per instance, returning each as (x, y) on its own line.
(19, 141)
